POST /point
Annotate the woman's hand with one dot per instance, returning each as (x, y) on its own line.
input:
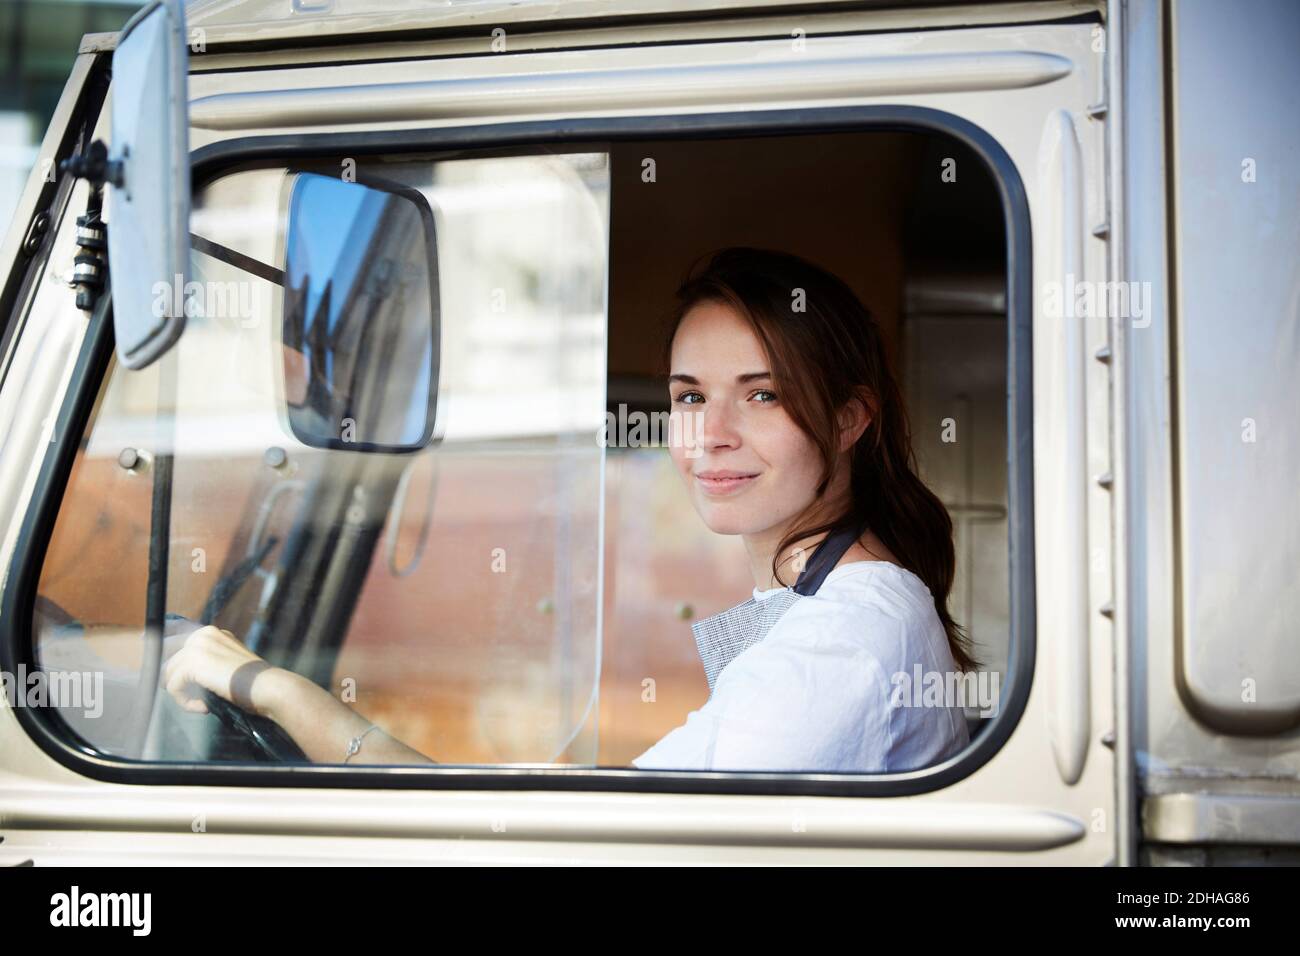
(216, 660)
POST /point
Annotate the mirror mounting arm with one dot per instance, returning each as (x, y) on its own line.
(95, 167)
(90, 265)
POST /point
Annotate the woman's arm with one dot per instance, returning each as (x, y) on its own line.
(321, 725)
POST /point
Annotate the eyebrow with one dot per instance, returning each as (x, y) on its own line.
(740, 379)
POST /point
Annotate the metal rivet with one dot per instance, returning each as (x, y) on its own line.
(32, 241)
(133, 460)
(276, 457)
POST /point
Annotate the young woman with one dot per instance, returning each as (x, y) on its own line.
(790, 432)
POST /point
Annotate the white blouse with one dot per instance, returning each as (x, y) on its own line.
(818, 693)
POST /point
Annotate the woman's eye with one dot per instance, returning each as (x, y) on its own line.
(764, 396)
(690, 398)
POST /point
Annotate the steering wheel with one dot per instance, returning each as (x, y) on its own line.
(267, 740)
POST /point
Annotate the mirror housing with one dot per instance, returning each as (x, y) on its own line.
(147, 199)
(360, 317)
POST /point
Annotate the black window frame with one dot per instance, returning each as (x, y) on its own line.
(215, 160)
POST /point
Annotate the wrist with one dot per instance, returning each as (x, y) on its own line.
(275, 692)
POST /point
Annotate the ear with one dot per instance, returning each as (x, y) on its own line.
(854, 418)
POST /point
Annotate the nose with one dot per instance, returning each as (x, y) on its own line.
(718, 428)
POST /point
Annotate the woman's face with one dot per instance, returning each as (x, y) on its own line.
(748, 468)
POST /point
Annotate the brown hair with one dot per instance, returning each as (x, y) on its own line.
(826, 350)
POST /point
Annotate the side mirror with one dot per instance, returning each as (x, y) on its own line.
(148, 178)
(360, 332)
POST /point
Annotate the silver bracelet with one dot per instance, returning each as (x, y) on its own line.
(354, 745)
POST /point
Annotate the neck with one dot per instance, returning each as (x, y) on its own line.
(762, 548)
(762, 545)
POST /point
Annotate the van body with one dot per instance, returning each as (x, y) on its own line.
(1104, 303)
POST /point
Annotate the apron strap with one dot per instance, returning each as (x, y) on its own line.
(825, 558)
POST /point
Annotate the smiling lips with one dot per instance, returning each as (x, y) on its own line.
(724, 482)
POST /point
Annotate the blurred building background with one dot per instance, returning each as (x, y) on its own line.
(38, 42)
